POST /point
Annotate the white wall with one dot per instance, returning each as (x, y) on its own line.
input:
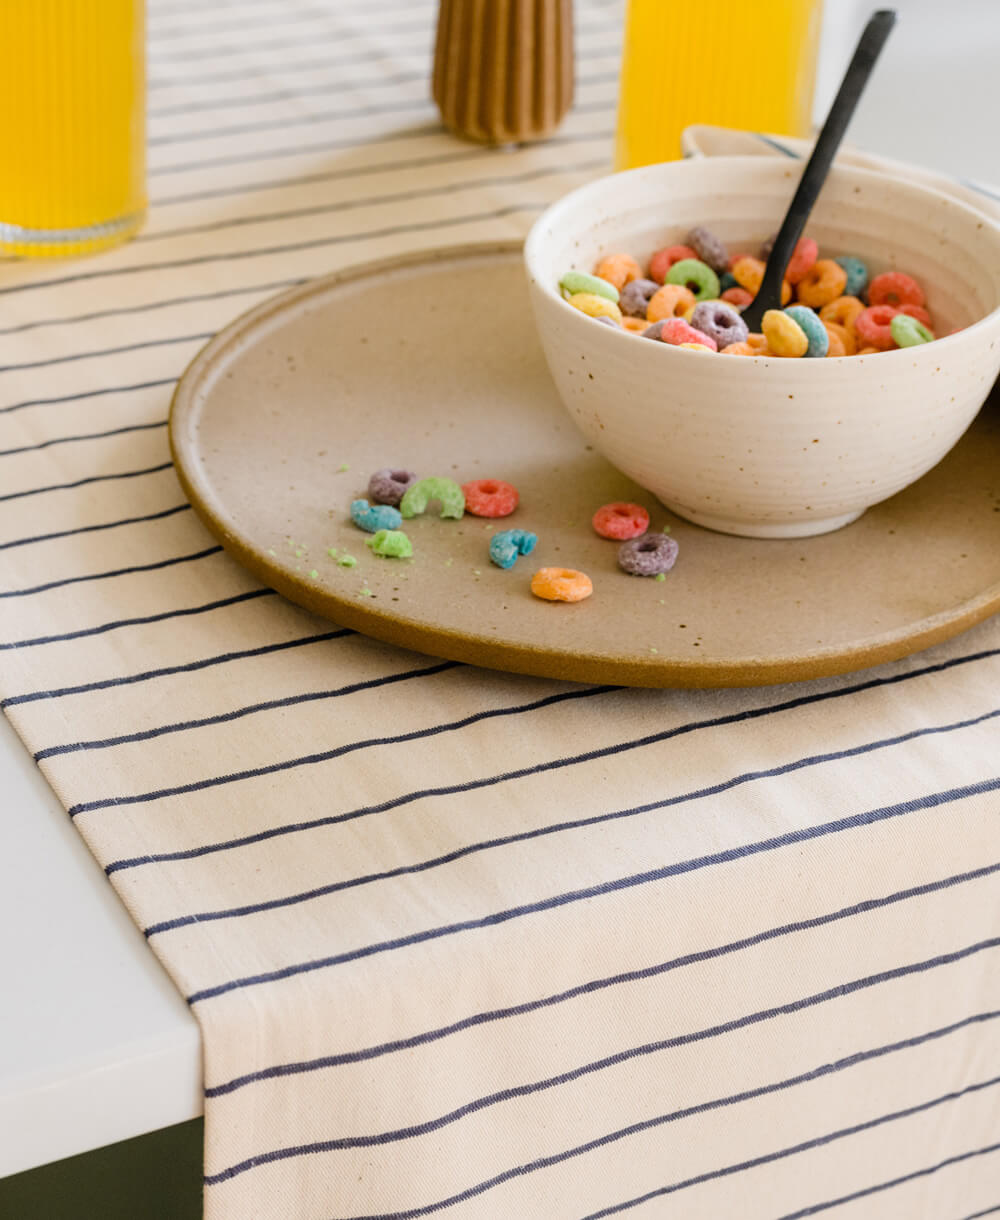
(934, 98)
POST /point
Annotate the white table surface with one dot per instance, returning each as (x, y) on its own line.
(96, 1045)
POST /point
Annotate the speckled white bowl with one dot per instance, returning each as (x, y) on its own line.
(765, 447)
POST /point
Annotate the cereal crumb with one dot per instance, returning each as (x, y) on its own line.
(314, 575)
(332, 552)
(347, 561)
(660, 576)
(342, 467)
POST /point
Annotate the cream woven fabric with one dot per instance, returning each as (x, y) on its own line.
(564, 952)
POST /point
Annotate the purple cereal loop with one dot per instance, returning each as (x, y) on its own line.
(653, 332)
(648, 555)
(388, 485)
(708, 248)
(720, 322)
(635, 297)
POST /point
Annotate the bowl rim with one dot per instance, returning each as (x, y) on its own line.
(533, 241)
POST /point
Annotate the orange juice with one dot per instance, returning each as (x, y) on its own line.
(72, 93)
(750, 66)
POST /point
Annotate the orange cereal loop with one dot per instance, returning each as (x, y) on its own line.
(618, 269)
(836, 345)
(844, 311)
(748, 273)
(757, 344)
(846, 338)
(637, 325)
(822, 283)
(670, 301)
(738, 349)
(868, 351)
(561, 585)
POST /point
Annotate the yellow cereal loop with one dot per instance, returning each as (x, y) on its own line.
(695, 347)
(784, 335)
(595, 307)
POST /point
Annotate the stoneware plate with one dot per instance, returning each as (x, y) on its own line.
(431, 362)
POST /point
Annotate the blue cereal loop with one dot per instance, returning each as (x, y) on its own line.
(375, 517)
(857, 275)
(508, 544)
(812, 327)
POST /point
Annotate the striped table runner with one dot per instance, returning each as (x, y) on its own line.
(466, 943)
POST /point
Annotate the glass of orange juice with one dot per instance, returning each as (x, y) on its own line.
(755, 71)
(72, 159)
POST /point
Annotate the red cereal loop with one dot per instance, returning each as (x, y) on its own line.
(620, 520)
(490, 498)
(664, 259)
(918, 312)
(806, 253)
(737, 296)
(872, 326)
(676, 331)
(895, 288)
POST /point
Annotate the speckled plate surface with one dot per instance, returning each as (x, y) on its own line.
(431, 362)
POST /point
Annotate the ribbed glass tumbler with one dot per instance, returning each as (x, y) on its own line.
(72, 125)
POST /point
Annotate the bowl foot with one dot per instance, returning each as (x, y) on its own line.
(764, 529)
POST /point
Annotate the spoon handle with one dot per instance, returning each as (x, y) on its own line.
(818, 166)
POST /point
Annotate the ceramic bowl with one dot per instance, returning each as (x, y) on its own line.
(762, 446)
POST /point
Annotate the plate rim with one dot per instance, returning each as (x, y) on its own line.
(468, 647)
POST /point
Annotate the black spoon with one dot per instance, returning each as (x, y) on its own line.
(818, 166)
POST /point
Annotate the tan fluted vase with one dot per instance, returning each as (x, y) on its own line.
(503, 69)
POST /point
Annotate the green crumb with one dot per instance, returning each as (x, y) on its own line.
(342, 467)
(448, 563)
(488, 527)
(300, 552)
(660, 576)
(364, 591)
(347, 561)
(662, 601)
(314, 575)
(666, 529)
(392, 544)
(332, 552)
(271, 551)
(476, 572)
(654, 650)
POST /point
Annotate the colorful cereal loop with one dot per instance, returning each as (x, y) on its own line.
(446, 491)
(909, 331)
(561, 585)
(843, 310)
(873, 326)
(857, 275)
(822, 283)
(664, 259)
(618, 269)
(620, 519)
(490, 498)
(895, 288)
(506, 546)
(579, 281)
(669, 302)
(696, 276)
(784, 335)
(814, 330)
(596, 307)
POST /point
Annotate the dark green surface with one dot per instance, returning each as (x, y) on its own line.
(155, 1177)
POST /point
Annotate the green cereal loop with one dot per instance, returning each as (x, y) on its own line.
(579, 281)
(909, 332)
(692, 271)
(418, 495)
(394, 544)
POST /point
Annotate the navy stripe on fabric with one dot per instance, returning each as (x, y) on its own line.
(527, 1090)
(287, 248)
(979, 189)
(322, 146)
(169, 670)
(990, 1211)
(907, 1177)
(166, 303)
(540, 768)
(406, 105)
(95, 478)
(477, 154)
(161, 617)
(91, 529)
(106, 351)
(551, 828)
(142, 567)
(250, 710)
(371, 201)
(321, 88)
(770, 1158)
(85, 436)
(323, 756)
(602, 890)
(115, 389)
(595, 985)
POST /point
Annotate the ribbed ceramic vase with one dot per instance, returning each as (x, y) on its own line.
(503, 69)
